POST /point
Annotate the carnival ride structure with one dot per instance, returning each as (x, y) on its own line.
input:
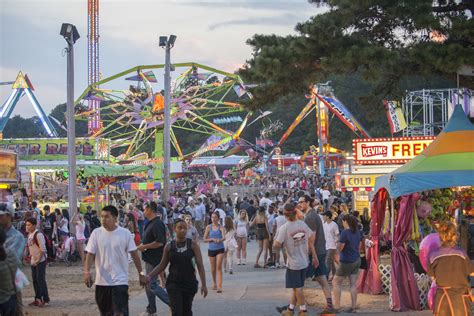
(22, 86)
(322, 100)
(204, 101)
(427, 111)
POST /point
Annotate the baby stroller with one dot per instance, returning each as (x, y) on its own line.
(67, 251)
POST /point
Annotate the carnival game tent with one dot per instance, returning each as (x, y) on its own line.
(447, 162)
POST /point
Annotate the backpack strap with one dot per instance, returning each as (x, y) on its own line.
(35, 238)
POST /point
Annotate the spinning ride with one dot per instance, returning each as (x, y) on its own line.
(204, 101)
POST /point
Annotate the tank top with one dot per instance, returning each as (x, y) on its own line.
(181, 272)
(217, 234)
(261, 225)
(241, 228)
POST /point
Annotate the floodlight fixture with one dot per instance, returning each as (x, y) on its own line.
(69, 32)
(171, 40)
(163, 41)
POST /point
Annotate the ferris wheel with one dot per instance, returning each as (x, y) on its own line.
(204, 101)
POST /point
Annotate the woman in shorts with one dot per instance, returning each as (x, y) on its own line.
(261, 221)
(214, 235)
(241, 233)
(348, 246)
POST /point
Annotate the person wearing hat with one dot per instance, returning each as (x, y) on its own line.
(299, 242)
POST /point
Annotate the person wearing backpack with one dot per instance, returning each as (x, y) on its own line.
(38, 255)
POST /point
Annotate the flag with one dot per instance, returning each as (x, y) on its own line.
(395, 117)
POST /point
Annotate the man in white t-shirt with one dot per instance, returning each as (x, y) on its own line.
(109, 246)
(277, 223)
(265, 201)
(325, 195)
(331, 232)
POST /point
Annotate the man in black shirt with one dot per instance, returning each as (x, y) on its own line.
(154, 240)
(48, 222)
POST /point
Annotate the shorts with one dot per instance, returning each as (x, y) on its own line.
(62, 233)
(214, 253)
(262, 234)
(346, 269)
(112, 300)
(322, 269)
(294, 279)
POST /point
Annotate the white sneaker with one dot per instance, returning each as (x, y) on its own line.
(244, 261)
(238, 262)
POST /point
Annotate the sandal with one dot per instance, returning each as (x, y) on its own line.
(257, 265)
(214, 287)
(219, 290)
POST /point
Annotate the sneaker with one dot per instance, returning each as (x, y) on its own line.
(281, 309)
(288, 312)
(34, 303)
(238, 262)
(244, 261)
(328, 311)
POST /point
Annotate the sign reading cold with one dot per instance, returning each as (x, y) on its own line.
(389, 150)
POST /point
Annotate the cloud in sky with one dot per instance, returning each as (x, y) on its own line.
(283, 19)
(213, 33)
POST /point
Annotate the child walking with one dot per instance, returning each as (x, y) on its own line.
(230, 244)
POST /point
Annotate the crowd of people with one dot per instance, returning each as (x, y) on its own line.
(305, 228)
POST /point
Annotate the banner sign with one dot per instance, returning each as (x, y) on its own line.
(44, 149)
(382, 151)
(359, 181)
(395, 117)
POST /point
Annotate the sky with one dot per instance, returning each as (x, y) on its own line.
(212, 33)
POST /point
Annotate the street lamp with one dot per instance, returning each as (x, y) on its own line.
(167, 43)
(71, 35)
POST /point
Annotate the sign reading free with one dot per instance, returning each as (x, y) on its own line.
(389, 150)
(56, 148)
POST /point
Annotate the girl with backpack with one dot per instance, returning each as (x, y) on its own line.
(38, 255)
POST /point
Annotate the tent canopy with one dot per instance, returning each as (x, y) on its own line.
(447, 162)
(113, 170)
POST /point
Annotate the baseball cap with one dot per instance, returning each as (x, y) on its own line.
(6, 209)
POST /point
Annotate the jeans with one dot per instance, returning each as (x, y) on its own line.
(9, 307)
(154, 290)
(181, 302)
(38, 274)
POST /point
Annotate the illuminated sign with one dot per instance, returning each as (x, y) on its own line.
(56, 148)
(357, 180)
(8, 167)
(388, 150)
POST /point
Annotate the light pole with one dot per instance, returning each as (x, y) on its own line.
(70, 34)
(167, 43)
